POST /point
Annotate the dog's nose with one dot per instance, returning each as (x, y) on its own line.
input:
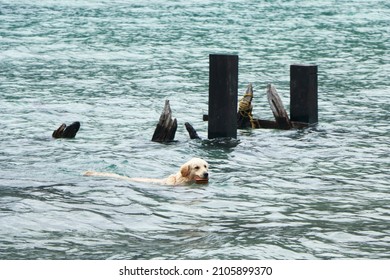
(205, 175)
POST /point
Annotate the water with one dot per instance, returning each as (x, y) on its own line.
(318, 193)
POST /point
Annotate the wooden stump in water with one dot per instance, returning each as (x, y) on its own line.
(277, 108)
(166, 128)
(244, 114)
(191, 131)
(66, 131)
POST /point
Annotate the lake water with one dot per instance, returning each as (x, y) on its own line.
(317, 193)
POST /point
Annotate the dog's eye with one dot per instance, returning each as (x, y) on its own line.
(205, 166)
(197, 167)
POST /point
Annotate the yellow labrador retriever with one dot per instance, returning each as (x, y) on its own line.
(195, 170)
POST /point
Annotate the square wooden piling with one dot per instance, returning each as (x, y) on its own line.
(223, 92)
(303, 93)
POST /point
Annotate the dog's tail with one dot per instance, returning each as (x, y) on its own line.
(116, 176)
(105, 174)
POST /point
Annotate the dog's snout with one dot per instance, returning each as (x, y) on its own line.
(205, 175)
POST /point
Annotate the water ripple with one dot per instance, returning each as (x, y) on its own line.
(317, 193)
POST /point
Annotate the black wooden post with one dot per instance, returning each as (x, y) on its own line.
(223, 92)
(303, 93)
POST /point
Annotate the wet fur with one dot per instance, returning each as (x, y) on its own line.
(194, 169)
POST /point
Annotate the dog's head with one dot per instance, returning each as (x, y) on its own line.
(196, 170)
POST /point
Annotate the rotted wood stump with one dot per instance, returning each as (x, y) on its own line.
(166, 127)
(244, 114)
(277, 108)
(66, 131)
(191, 131)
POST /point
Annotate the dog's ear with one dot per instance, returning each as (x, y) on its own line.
(185, 170)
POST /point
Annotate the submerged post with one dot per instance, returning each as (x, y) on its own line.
(223, 91)
(303, 93)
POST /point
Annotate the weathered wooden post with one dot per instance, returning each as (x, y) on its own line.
(223, 91)
(166, 127)
(66, 131)
(277, 108)
(303, 93)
